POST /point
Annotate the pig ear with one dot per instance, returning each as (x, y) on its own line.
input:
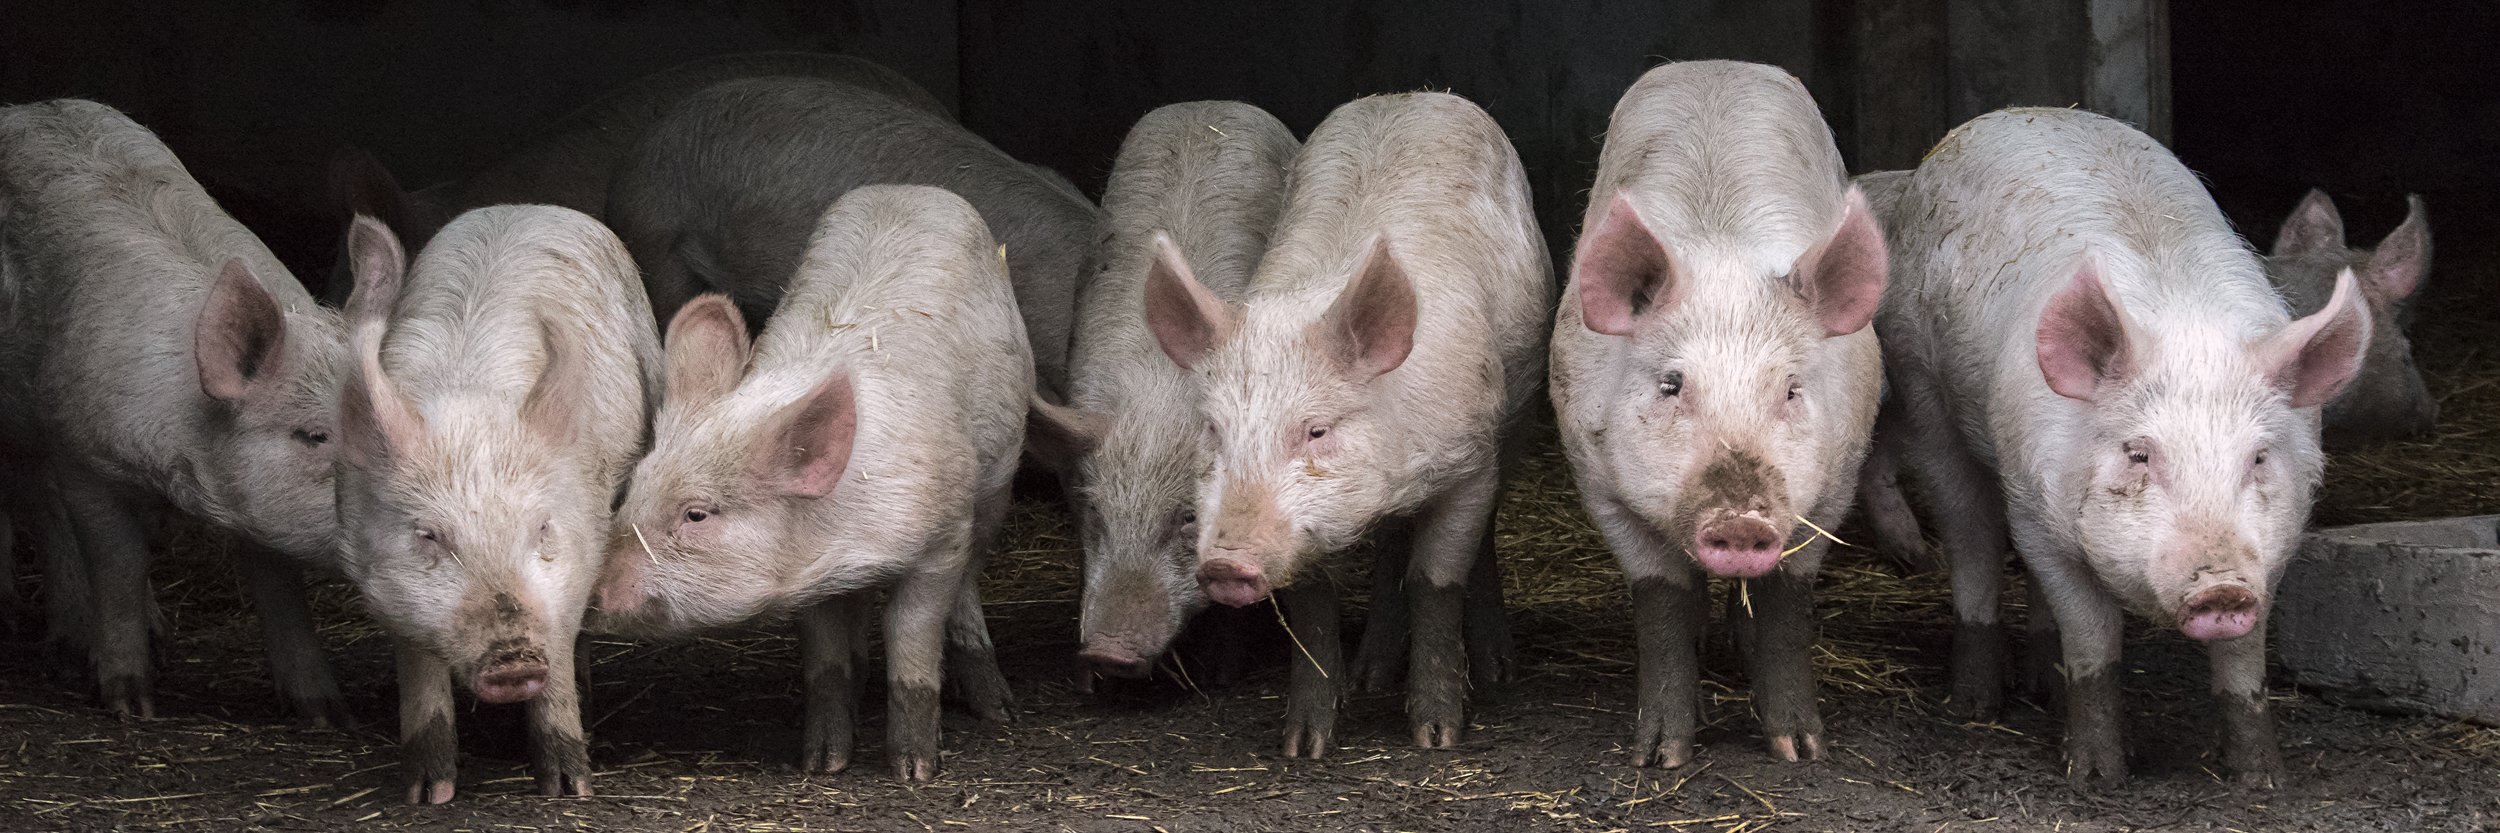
(2397, 265)
(2083, 340)
(1187, 320)
(804, 455)
(1624, 271)
(2315, 356)
(240, 337)
(706, 349)
(1370, 328)
(360, 185)
(378, 264)
(553, 408)
(1056, 436)
(374, 420)
(2313, 227)
(1842, 278)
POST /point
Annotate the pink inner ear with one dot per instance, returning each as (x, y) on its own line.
(378, 263)
(2314, 226)
(2397, 265)
(1624, 271)
(807, 456)
(1371, 325)
(706, 349)
(2315, 356)
(1843, 279)
(1186, 319)
(240, 335)
(2082, 340)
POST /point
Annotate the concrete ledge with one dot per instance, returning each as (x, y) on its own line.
(2397, 616)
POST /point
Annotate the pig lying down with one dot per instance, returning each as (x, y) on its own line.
(2090, 364)
(504, 381)
(152, 354)
(866, 440)
(1716, 379)
(1206, 178)
(1392, 332)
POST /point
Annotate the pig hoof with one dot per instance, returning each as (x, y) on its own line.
(1664, 752)
(826, 762)
(1437, 735)
(322, 712)
(1307, 739)
(1977, 701)
(915, 769)
(128, 695)
(564, 784)
(2258, 779)
(1375, 673)
(2094, 762)
(430, 791)
(1797, 748)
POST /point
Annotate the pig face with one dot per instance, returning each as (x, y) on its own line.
(737, 466)
(469, 530)
(1300, 456)
(1138, 508)
(2199, 452)
(1714, 433)
(273, 376)
(2387, 399)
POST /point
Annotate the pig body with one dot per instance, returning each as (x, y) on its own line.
(1206, 178)
(2387, 401)
(1393, 330)
(154, 353)
(866, 440)
(1716, 379)
(723, 194)
(2090, 362)
(503, 388)
(569, 163)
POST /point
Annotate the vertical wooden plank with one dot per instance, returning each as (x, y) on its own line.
(2128, 72)
(2011, 53)
(1900, 89)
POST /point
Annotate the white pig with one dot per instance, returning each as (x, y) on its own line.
(502, 388)
(154, 353)
(723, 194)
(1715, 377)
(1393, 330)
(2090, 361)
(1206, 178)
(866, 440)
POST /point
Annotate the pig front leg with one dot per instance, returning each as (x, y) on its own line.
(113, 540)
(1670, 607)
(915, 661)
(2092, 625)
(560, 752)
(1492, 656)
(1447, 537)
(1778, 645)
(296, 659)
(1965, 502)
(1380, 660)
(971, 659)
(429, 749)
(2249, 749)
(832, 645)
(2043, 649)
(1886, 509)
(69, 614)
(1314, 692)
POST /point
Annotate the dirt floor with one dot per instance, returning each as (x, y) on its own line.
(702, 736)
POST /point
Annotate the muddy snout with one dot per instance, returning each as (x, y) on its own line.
(1737, 545)
(2227, 610)
(513, 672)
(1232, 580)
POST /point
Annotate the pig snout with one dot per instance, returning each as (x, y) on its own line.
(1738, 546)
(1112, 658)
(1232, 582)
(2227, 611)
(621, 590)
(513, 674)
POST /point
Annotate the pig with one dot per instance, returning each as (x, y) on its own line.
(156, 356)
(1203, 177)
(867, 439)
(2386, 401)
(1394, 329)
(722, 194)
(569, 163)
(501, 391)
(2090, 363)
(1715, 378)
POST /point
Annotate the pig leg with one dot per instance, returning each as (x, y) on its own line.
(915, 659)
(1969, 512)
(971, 660)
(1778, 645)
(1887, 511)
(560, 750)
(1670, 606)
(1380, 660)
(428, 748)
(831, 635)
(113, 539)
(1492, 657)
(2044, 647)
(1447, 537)
(69, 629)
(2092, 626)
(296, 660)
(1313, 695)
(2249, 749)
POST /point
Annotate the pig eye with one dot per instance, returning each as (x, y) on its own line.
(1319, 431)
(1672, 384)
(311, 437)
(1189, 517)
(2260, 459)
(2137, 454)
(697, 514)
(1793, 390)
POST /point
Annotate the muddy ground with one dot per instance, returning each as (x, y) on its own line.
(701, 736)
